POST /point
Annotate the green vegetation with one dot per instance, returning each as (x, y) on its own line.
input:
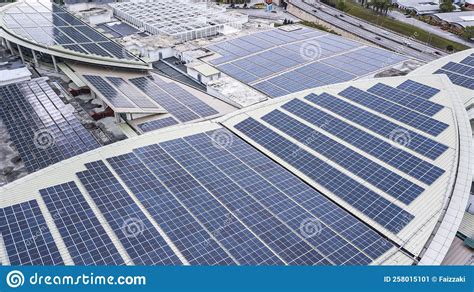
(402, 28)
(318, 26)
(468, 32)
(446, 6)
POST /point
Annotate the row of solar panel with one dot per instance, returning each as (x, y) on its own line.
(319, 74)
(63, 29)
(460, 73)
(43, 129)
(180, 103)
(218, 206)
(279, 59)
(363, 199)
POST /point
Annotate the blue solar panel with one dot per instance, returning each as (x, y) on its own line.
(131, 92)
(43, 130)
(416, 142)
(468, 61)
(157, 124)
(377, 175)
(141, 240)
(458, 79)
(327, 242)
(82, 233)
(177, 109)
(322, 208)
(395, 111)
(26, 235)
(246, 207)
(459, 69)
(188, 99)
(386, 152)
(109, 92)
(355, 194)
(205, 194)
(418, 89)
(408, 100)
(196, 243)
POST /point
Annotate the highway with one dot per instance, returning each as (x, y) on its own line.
(372, 33)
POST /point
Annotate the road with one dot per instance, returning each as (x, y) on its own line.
(429, 28)
(372, 33)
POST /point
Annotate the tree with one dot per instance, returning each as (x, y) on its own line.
(341, 5)
(468, 32)
(446, 6)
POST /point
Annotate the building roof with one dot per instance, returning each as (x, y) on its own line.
(280, 61)
(48, 28)
(190, 164)
(461, 18)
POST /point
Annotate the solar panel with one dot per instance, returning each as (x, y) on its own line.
(52, 25)
(336, 218)
(458, 79)
(82, 233)
(189, 100)
(259, 56)
(386, 152)
(203, 197)
(197, 244)
(26, 235)
(92, 34)
(141, 240)
(109, 92)
(356, 163)
(74, 34)
(418, 89)
(96, 50)
(355, 194)
(177, 109)
(468, 61)
(41, 128)
(131, 92)
(395, 111)
(327, 242)
(157, 124)
(408, 100)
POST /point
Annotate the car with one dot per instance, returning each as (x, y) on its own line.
(437, 53)
(341, 15)
(378, 38)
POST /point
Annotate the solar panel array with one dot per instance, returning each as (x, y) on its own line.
(43, 129)
(214, 205)
(460, 73)
(157, 124)
(26, 235)
(50, 25)
(313, 136)
(180, 103)
(279, 62)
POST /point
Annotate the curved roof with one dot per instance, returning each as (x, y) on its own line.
(48, 28)
(230, 181)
